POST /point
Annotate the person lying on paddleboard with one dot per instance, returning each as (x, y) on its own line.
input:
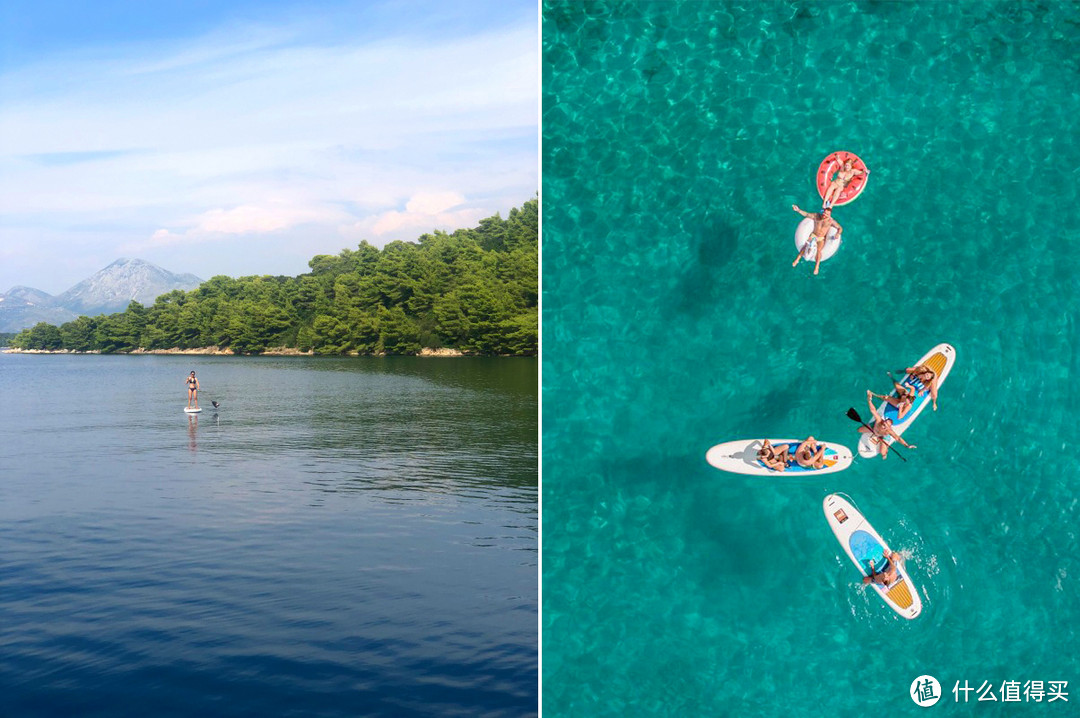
(844, 175)
(773, 458)
(882, 428)
(192, 390)
(810, 454)
(904, 399)
(822, 222)
(928, 377)
(889, 575)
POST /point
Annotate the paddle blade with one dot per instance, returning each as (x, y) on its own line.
(854, 415)
(216, 405)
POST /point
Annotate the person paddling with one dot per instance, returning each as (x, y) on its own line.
(882, 428)
(887, 577)
(193, 390)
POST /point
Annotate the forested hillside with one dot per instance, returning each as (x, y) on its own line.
(475, 290)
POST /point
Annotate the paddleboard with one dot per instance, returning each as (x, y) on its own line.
(189, 410)
(862, 544)
(940, 359)
(740, 457)
(809, 249)
(829, 167)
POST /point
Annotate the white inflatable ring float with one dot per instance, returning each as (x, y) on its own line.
(809, 249)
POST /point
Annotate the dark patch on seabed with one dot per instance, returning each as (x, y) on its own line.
(714, 242)
(776, 404)
(657, 70)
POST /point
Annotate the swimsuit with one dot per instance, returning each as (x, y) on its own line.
(885, 583)
(809, 250)
(773, 455)
(840, 178)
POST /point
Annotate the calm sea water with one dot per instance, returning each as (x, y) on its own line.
(342, 538)
(677, 135)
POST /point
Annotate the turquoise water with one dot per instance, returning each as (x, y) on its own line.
(676, 138)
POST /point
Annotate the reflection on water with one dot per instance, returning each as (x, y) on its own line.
(340, 538)
(193, 425)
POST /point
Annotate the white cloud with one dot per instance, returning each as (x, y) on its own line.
(162, 237)
(423, 212)
(433, 202)
(221, 224)
(394, 222)
(267, 134)
(252, 219)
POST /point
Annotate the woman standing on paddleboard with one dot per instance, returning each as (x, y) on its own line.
(192, 390)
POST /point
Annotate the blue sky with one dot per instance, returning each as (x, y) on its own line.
(246, 137)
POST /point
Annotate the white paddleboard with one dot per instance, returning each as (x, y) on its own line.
(740, 457)
(940, 359)
(862, 544)
(189, 410)
(809, 249)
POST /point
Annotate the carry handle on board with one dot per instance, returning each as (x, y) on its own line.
(854, 415)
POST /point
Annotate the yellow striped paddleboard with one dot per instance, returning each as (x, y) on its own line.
(940, 359)
(862, 544)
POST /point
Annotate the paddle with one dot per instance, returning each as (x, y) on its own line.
(854, 415)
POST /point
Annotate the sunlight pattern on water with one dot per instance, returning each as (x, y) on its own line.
(677, 135)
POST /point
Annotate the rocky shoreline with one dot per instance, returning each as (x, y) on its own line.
(218, 351)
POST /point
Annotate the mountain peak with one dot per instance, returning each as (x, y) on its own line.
(125, 261)
(120, 283)
(109, 290)
(29, 294)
